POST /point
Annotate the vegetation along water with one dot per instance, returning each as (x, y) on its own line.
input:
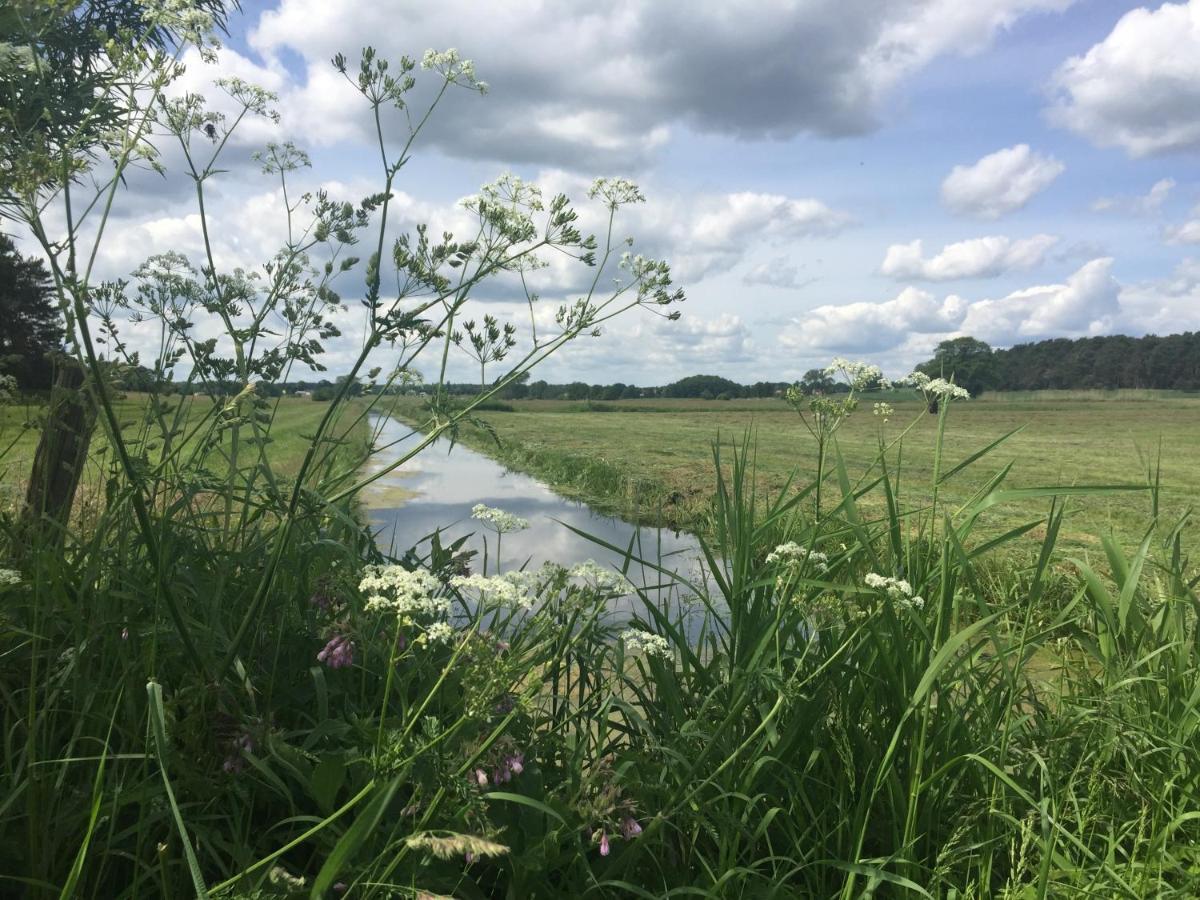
(926, 645)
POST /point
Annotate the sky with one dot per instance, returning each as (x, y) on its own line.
(858, 178)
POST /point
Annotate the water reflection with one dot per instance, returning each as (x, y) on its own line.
(442, 484)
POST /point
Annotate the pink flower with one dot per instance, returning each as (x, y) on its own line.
(630, 827)
(338, 653)
(481, 778)
(604, 848)
(516, 763)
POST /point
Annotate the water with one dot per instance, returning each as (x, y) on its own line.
(438, 488)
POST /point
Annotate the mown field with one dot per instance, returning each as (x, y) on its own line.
(294, 420)
(653, 458)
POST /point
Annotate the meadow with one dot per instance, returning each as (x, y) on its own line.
(651, 459)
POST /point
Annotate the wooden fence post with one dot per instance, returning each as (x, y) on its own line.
(61, 454)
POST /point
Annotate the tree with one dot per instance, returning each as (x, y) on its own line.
(815, 381)
(29, 320)
(969, 361)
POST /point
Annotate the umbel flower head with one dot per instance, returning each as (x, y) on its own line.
(497, 519)
(897, 590)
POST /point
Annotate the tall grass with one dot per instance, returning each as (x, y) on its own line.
(1024, 731)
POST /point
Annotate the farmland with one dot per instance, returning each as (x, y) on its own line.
(652, 459)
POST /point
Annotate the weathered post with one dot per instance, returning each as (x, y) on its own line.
(60, 456)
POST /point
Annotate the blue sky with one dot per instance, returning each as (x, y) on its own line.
(787, 149)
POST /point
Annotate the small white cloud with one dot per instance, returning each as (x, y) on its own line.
(778, 273)
(999, 183)
(986, 257)
(1187, 233)
(1144, 204)
(1139, 88)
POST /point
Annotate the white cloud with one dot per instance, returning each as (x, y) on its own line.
(985, 257)
(1144, 204)
(871, 327)
(1139, 88)
(1187, 233)
(1088, 303)
(630, 72)
(1000, 182)
(779, 273)
(1164, 306)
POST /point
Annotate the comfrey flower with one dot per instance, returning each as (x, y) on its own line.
(9, 578)
(338, 653)
(606, 581)
(897, 589)
(630, 828)
(497, 519)
(638, 641)
(792, 553)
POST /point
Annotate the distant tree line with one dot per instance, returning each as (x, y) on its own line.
(1171, 362)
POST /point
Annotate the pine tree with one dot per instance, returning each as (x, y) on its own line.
(30, 326)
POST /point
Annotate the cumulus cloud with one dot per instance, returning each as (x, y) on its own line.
(1088, 303)
(583, 89)
(1139, 88)
(999, 183)
(1143, 204)
(870, 327)
(1186, 233)
(986, 257)
(779, 273)
(1165, 305)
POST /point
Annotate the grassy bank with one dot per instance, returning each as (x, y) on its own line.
(651, 459)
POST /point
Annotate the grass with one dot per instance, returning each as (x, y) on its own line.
(650, 460)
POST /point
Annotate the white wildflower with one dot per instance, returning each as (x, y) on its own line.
(606, 581)
(497, 519)
(404, 593)
(512, 589)
(9, 577)
(615, 192)
(884, 411)
(439, 633)
(638, 641)
(792, 553)
(859, 375)
(897, 589)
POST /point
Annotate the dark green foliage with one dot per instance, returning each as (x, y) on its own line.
(30, 324)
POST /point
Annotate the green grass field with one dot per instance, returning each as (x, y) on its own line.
(294, 421)
(652, 458)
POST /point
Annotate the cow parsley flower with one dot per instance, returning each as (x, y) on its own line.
(497, 519)
(884, 411)
(596, 576)
(9, 578)
(638, 641)
(439, 633)
(898, 590)
(793, 554)
(403, 592)
(859, 375)
(511, 589)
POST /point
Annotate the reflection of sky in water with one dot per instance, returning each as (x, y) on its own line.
(448, 484)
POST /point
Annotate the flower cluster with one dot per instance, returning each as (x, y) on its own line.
(497, 519)
(600, 579)
(9, 577)
(512, 589)
(937, 387)
(638, 641)
(792, 554)
(859, 375)
(897, 589)
(884, 411)
(453, 68)
(403, 592)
